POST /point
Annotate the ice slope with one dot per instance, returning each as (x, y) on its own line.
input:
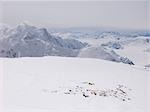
(28, 83)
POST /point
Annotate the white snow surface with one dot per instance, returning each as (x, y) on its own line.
(28, 82)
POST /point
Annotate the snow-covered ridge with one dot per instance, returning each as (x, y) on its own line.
(4, 30)
(29, 41)
(103, 53)
(98, 33)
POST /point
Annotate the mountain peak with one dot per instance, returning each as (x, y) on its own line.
(24, 26)
(25, 23)
(3, 25)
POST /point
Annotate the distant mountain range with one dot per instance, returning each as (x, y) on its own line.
(29, 41)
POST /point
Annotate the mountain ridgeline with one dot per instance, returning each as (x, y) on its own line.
(29, 41)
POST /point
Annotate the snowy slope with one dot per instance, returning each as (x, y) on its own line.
(136, 49)
(100, 52)
(30, 85)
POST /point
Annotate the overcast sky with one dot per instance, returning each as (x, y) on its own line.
(133, 15)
